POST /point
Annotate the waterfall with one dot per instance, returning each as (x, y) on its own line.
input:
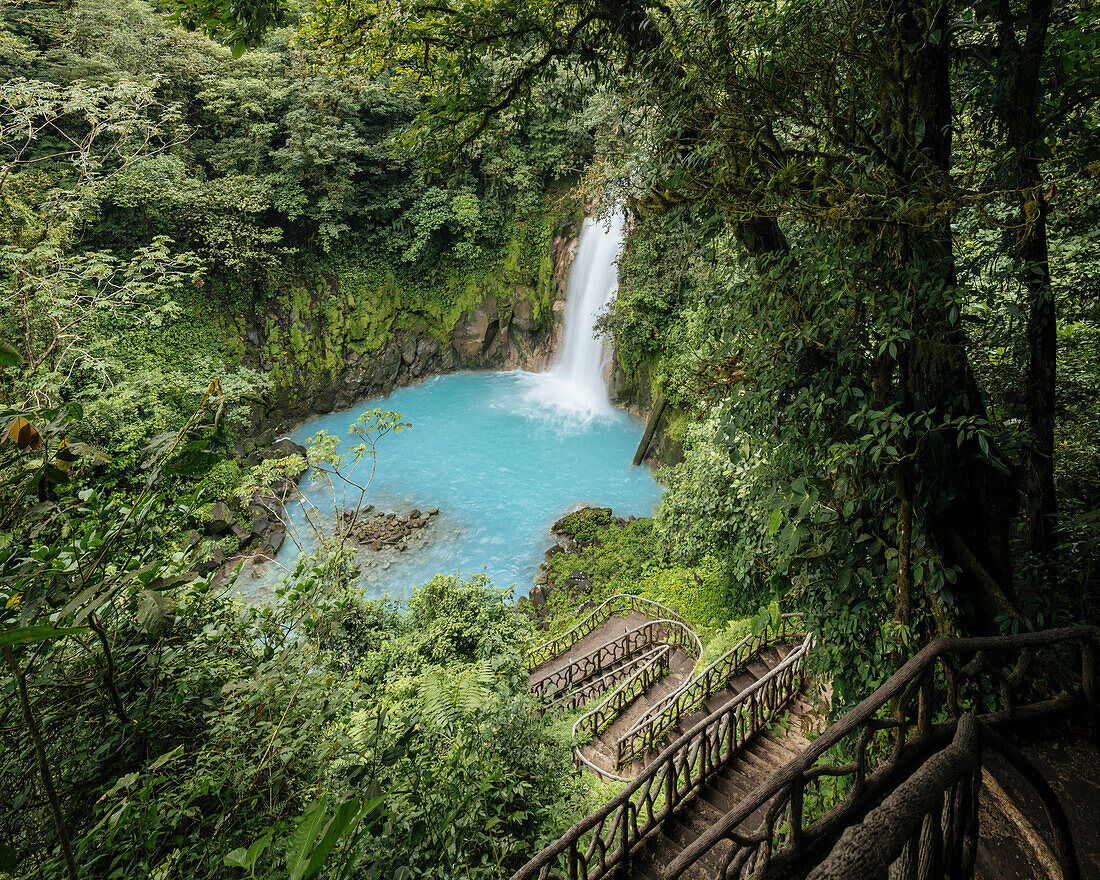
(574, 386)
(593, 281)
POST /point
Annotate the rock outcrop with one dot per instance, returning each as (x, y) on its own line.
(572, 533)
(378, 530)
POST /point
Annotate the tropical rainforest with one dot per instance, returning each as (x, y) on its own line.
(862, 269)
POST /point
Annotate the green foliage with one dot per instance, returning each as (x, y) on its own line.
(585, 525)
(464, 620)
(622, 560)
(846, 155)
(221, 482)
(226, 195)
(233, 733)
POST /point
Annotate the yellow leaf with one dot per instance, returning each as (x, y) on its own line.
(24, 434)
(14, 601)
(63, 460)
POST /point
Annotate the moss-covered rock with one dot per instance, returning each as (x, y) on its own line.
(334, 331)
(585, 525)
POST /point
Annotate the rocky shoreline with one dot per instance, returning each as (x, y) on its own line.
(256, 533)
(572, 533)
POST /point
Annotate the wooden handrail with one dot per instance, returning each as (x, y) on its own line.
(616, 650)
(656, 662)
(867, 849)
(669, 712)
(599, 843)
(675, 774)
(594, 686)
(912, 681)
(613, 605)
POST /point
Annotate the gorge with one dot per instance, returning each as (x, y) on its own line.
(855, 272)
(502, 455)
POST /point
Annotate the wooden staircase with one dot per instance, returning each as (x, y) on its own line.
(734, 782)
(601, 750)
(894, 788)
(643, 655)
(612, 628)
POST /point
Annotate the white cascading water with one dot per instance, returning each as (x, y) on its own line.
(575, 384)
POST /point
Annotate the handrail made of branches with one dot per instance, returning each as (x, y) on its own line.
(605, 839)
(593, 687)
(615, 652)
(600, 716)
(666, 715)
(888, 735)
(927, 826)
(616, 604)
(928, 829)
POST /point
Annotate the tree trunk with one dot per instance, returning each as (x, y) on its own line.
(1019, 66)
(970, 503)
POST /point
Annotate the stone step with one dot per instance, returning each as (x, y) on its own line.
(758, 668)
(786, 747)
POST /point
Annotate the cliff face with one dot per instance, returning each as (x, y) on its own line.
(355, 330)
(638, 392)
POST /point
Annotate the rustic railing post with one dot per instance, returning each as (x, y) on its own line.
(924, 703)
(798, 786)
(1089, 683)
(670, 786)
(624, 834)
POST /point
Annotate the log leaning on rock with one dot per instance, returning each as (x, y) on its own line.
(650, 429)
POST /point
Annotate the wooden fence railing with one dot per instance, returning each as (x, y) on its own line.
(809, 802)
(614, 653)
(604, 840)
(593, 687)
(666, 715)
(599, 717)
(617, 604)
(927, 829)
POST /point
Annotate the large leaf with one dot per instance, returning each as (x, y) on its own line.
(299, 847)
(241, 858)
(39, 633)
(9, 355)
(24, 434)
(346, 816)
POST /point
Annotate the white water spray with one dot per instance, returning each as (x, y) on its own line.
(575, 384)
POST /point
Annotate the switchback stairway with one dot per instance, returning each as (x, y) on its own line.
(642, 655)
(892, 789)
(622, 637)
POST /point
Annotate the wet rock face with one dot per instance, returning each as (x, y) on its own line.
(378, 530)
(493, 335)
(327, 355)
